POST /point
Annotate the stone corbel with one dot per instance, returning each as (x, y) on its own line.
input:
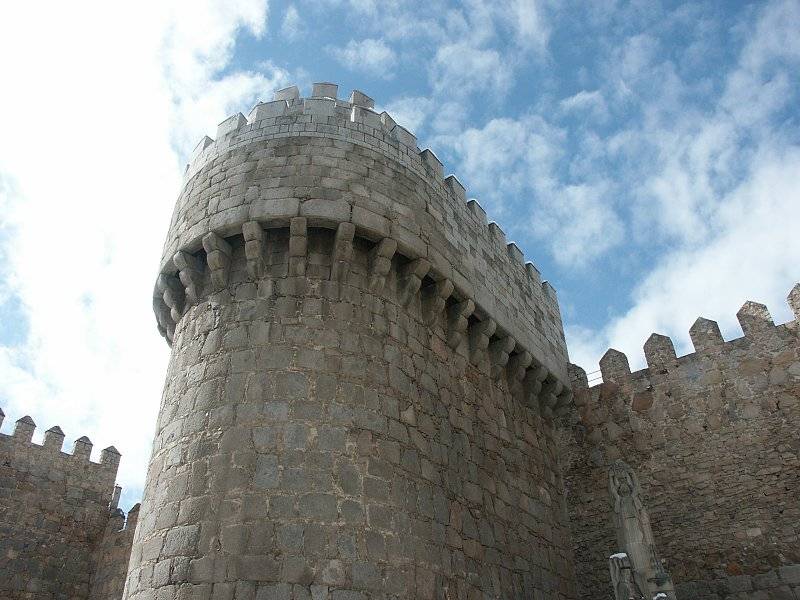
(218, 256)
(342, 252)
(380, 263)
(532, 384)
(498, 354)
(190, 272)
(173, 294)
(479, 334)
(411, 279)
(457, 322)
(518, 365)
(163, 317)
(255, 245)
(548, 397)
(434, 297)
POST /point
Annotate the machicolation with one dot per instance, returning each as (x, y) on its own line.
(362, 360)
(369, 396)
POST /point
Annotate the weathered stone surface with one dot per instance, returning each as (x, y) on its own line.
(333, 169)
(356, 433)
(712, 437)
(354, 385)
(61, 534)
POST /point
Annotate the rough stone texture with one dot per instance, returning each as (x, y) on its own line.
(54, 514)
(111, 555)
(713, 439)
(318, 439)
(338, 419)
(782, 583)
(348, 164)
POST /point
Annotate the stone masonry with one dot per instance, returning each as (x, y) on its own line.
(713, 437)
(363, 377)
(369, 397)
(56, 511)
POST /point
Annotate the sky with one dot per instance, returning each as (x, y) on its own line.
(645, 156)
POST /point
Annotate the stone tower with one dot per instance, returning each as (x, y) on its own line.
(363, 377)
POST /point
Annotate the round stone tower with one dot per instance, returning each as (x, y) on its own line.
(363, 377)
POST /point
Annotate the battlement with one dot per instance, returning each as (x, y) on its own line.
(55, 507)
(763, 353)
(120, 526)
(342, 166)
(28, 456)
(712, 437)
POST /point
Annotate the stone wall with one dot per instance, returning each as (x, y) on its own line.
(317, 438)
(111, 556)
(782, 583)
(363, 376)
(713, 438)
(54, 510)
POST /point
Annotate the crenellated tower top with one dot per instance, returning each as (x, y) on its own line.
(394, 196)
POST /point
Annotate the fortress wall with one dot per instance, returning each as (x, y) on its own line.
(53, 508)
(111, 555)
(324, 434)
(713, 438)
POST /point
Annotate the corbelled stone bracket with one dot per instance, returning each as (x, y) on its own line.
(411, 279)
(457, 322)
(518, 366)
(533, 384)
(166, 326)
(548, 396)
(190, 272)
(380, 263)
(218, 255)
(498, 354)
(479, 334)
(255, 245)
(173, 294)
(434, 298)
(342, 252)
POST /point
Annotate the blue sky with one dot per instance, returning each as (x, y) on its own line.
(645, 155)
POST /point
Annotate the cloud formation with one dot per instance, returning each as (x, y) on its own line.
(718, 186)
(87, 182)
(292, 24)
(372, 56)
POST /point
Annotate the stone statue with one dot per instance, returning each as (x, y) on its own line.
(636, 571)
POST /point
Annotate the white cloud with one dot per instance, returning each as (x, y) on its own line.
(724, 183)
(89, 175)
(410, 111)
(753, 258)
(579, 223)
(529, 24)
(590, 103)
(519, 158)
(292, 24)
(459, 69)
(371, 56)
